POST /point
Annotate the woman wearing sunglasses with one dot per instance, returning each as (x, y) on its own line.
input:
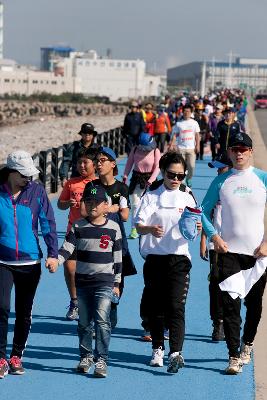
(167, 265)
(22, 204)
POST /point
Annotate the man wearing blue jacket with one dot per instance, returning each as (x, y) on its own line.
(22, 204)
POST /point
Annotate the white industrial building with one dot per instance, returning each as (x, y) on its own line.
(86, 73)
(15, 79)
(246, 73)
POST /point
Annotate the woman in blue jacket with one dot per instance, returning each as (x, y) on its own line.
(22, 204)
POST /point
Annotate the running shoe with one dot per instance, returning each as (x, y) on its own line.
(146, 337)
(234, 367)
(3, 368)
(85, 364)
(175, 362)
(246, 352)
(133, 234)
(100, 368)
(72, 313)
(218, 331)
(15, 366)
(157, 357)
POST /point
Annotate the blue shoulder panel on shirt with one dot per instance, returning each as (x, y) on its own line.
(210, 201)
(262, 175)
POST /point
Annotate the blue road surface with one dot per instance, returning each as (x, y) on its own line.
(52, 351)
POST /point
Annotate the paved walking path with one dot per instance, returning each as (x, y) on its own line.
(51, 353)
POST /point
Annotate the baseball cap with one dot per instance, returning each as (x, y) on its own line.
(145, 139)
(240, 138)
(219, 107)
(22, 162)
(108, 152)
(94, 192)
(87, 128)
(221, 162)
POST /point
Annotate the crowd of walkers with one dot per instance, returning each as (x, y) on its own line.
(162, 143)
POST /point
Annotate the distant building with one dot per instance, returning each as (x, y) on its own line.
(15, 79)
(51, 53)
(81, 72)
(246, 73)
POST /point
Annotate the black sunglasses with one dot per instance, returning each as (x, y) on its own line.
(172, 175)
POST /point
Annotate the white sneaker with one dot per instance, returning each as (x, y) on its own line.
(246, 351)
(157, 358)
(175, 362)
(234, 367)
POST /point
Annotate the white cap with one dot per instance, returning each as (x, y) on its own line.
(22, 162)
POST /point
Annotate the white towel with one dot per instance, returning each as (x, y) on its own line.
(239, 284)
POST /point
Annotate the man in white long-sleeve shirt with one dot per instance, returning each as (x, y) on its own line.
(242, 193)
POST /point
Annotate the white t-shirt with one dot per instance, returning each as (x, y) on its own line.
(164, 207)
(185, 133)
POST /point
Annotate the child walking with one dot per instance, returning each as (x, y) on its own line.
(97, 241)
(70, 198)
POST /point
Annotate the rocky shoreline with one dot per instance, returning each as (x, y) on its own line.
(49, 131)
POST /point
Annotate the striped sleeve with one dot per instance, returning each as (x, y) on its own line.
(68, 246)
(117, 257)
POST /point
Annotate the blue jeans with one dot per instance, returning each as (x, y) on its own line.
(94, 310)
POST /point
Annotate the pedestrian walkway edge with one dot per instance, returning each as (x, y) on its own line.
(260, 349)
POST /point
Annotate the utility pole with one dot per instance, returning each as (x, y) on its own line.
(213, 74)
(203, 79)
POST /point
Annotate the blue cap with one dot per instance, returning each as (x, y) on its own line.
(108, 152)
(145, 139)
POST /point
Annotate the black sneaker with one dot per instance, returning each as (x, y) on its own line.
(3, 368)
(100, 368)
(15, 366)
(85, 364)
(218, 331)
(175, 362)
(73, 312)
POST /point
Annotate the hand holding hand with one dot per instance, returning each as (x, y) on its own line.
(116, 291)
(51, 264)
(261, 251)
(220, 246)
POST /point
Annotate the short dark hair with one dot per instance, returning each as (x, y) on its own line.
(87, 153)
(4, 174)
(171, 157)
(187, 106)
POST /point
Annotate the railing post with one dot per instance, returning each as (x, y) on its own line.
(43, 165)
(54, 170)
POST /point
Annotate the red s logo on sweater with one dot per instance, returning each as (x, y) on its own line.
(104, 241)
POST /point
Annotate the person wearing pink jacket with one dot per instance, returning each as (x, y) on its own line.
(144, 160)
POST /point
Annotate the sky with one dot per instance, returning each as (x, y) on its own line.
(163, 33)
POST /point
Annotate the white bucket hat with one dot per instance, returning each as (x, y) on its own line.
(22, 162)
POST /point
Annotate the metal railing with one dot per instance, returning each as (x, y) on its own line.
(49, 161)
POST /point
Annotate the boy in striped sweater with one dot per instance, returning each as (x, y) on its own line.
(97, 241)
